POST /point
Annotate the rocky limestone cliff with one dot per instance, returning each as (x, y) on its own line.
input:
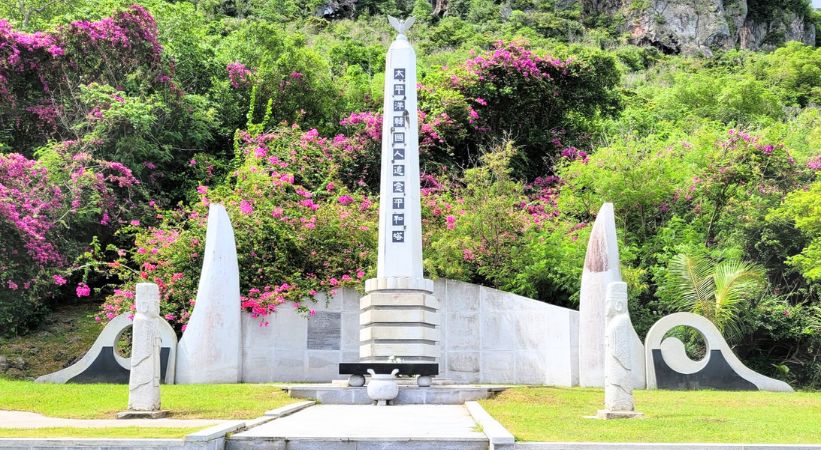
(702, 26)
(691, 27)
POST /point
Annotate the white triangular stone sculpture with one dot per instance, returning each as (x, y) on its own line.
(210, 350)
(601, 267)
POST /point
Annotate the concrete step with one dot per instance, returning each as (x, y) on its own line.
(408, 395)
(374, 444)
(351, 427)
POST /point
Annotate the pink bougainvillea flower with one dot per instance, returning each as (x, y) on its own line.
(238, 74)
(451, 222)
(245, 207)
(83, 290)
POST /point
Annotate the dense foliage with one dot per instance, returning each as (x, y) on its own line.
(120, 124)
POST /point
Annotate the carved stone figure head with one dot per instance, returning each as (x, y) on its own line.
(616, 299)
(148, 299)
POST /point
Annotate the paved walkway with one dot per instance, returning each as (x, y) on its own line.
(19, 419)
(352, 422)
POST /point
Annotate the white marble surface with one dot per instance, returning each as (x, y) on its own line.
(210, 350)
(618, 388)
(365, 421)
(601, 267)
(144, 379)
(400, 259)
(108, 338)
(675, 356)
(485, 336)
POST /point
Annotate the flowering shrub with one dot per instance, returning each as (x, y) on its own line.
(40, 72)
(300, 230)
(474, 230)
(48, 207)
(511, 91)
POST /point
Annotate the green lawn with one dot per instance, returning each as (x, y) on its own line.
(106, 433)
(557, 414)
(103, 401)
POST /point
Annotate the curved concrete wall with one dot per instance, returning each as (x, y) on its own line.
(488, 336)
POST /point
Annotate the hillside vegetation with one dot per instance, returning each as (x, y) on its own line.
(120, 123)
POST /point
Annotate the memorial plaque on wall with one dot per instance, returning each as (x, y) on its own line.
(325, 331)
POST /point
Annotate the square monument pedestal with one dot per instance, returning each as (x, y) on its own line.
(398, 326)
(607, 414)
(143, 414)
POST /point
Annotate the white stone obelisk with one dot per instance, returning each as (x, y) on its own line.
(210, 350)
(601, 267)
(399, 317)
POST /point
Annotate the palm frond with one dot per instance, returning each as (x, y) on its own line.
(736, 282)
(692, 281)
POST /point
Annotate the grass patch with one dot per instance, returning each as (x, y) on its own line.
(103, 401)
(556, 414)
(87, 433)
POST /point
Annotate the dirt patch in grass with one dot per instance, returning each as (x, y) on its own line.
(63, 338)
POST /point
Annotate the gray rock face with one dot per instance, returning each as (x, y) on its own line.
(337, 9)
(756, 35)
(18, 363)
(703, 26)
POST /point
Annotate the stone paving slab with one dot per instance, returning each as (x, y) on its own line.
(366, 422)
(20, 419)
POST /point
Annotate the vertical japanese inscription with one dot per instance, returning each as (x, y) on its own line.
(400, 121)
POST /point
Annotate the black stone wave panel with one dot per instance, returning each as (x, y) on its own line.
(717, 374)
(428, 369)
(106, 369)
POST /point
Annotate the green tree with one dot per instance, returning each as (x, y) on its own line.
(804, 209)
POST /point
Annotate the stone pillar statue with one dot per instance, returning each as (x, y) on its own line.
(618, 358)
(144, 380)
